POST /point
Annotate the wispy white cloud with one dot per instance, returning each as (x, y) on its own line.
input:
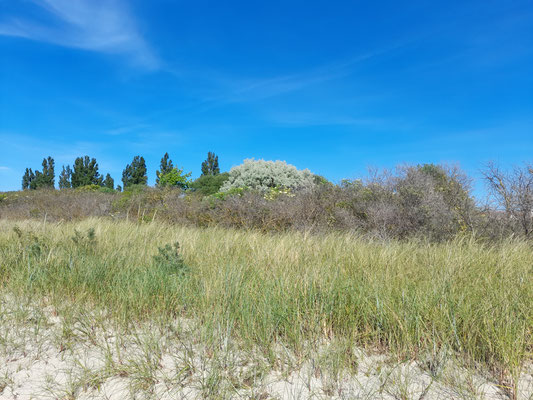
(238, 90)
(98, 25)
(289, 118)
(127, 129)
(38, 148)
(231, 89)
(4, 168)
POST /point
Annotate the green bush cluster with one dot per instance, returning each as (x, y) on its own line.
(209, 184)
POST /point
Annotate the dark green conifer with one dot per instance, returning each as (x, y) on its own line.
(109, 182)
(85, 172)
(27, 179)
(64, 178)
(135, 173)
(164, 168)
(210, 166)
(40, 179)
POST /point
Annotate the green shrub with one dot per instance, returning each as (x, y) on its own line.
(175, 178)
(236, 191)
(88, 188)
(135, 189)
(84, 240)
(170, 260)
(276, 192)
(104, 189)
(209, 184)
(94, 188)
(320, 180)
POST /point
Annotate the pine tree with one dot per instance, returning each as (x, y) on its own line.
(164, 168)
(47, 177)
(64, 178)
(126, 176)
(85, 172)
(36, 182)
(40, 179)
(109, 182)
(210, 166)
(135, 174)
(27, 179)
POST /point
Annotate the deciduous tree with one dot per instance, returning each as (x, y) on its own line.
(512, 192)
(264, 175)
(175, 178)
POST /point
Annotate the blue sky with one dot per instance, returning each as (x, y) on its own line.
(335, 87)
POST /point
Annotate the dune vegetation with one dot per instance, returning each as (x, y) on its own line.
(461, 300)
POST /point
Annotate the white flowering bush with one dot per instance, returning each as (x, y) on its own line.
(264, 175)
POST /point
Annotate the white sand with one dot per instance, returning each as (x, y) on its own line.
(44, 357)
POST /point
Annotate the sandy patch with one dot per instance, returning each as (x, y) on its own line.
(45, 356)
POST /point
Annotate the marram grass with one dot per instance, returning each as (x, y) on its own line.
(412, 298)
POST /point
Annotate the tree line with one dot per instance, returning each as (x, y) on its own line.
(85, 172)
(429, 200)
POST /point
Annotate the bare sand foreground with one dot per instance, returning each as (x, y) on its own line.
(44, 355)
